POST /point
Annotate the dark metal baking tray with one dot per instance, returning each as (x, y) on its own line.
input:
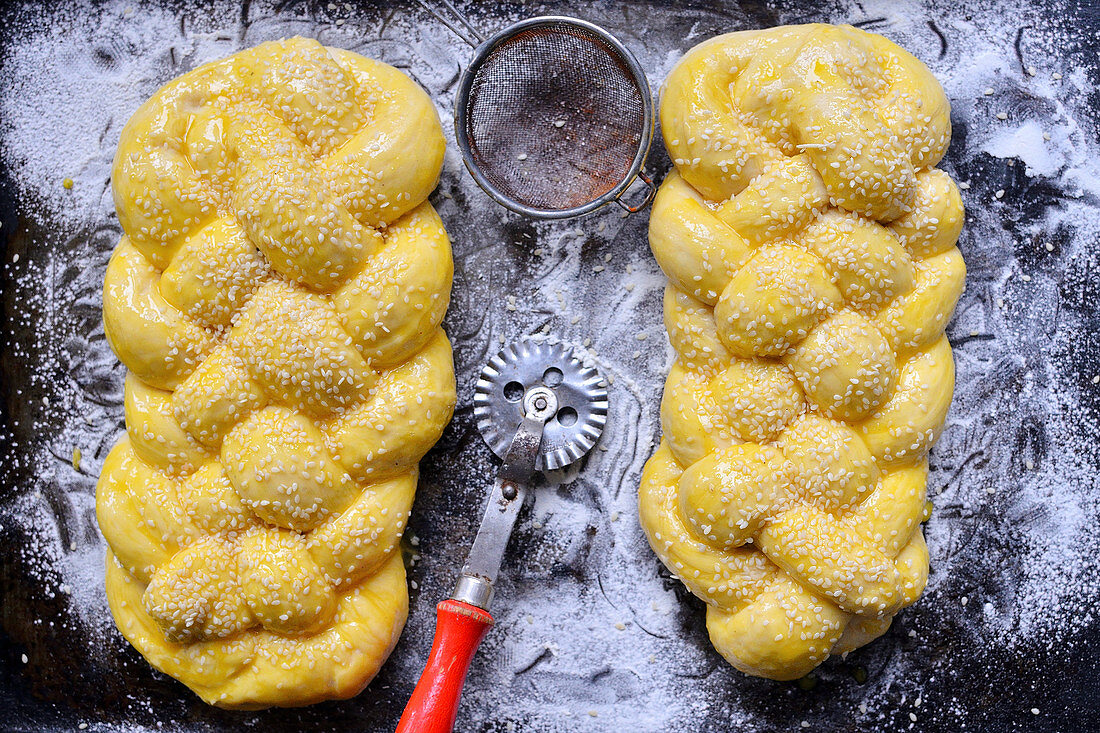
(1013, 478)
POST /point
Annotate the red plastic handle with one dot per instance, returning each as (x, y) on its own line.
(459, 629)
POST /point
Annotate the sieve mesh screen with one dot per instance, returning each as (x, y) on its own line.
(554, 117)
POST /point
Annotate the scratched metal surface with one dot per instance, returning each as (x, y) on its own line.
(573, 571)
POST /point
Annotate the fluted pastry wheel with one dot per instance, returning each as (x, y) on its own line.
(277, 299)
(809, 245)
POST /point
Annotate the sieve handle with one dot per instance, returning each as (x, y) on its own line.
(650, 192)
(456, 22)
(459, 629)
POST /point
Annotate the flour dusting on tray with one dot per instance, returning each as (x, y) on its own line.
(591, 635)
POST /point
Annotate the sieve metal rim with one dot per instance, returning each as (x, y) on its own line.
(462, 100)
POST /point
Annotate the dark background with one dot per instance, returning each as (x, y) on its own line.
(1024, 396)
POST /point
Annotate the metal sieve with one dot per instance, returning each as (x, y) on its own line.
(554, 118)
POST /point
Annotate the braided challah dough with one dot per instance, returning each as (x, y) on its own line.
(277, 299)
(810, 250)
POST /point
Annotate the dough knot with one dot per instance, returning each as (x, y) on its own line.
(277, 298)
(810, 250)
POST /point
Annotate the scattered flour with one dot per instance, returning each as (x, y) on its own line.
(587, 620)
(1026, 143)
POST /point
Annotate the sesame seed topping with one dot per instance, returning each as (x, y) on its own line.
(802, 252)
(287, 368)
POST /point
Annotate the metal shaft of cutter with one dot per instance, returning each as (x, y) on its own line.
(475, 585)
